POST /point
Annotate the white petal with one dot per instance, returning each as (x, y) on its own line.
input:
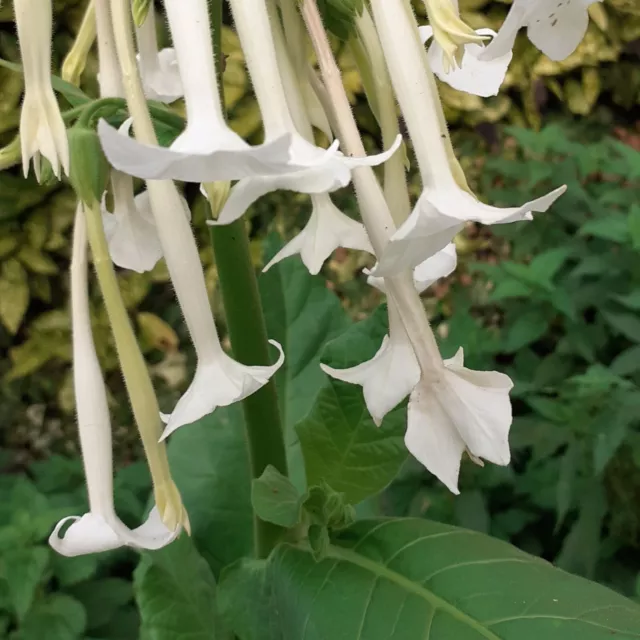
(42, 131)
(426, 273)
(132, 236)
(559, 28)
(374, 160)
(92, 533)
(328, 228)
(219, 384)
(164, 83)
(388, 378)
(475, 76)
(438, 216)
(478, 404)
(329, 177)
(432, 438)
(503, 43)
(229, 159)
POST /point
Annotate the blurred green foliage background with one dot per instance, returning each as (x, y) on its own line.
(555, 305)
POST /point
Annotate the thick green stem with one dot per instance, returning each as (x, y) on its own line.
(248, 335)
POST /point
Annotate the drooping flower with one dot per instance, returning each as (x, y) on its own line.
(219, 380)
(394, 371)
(42, 130)
(158, 69)
(207, 150)
(328, 174)
(459, 410)
(450, 33)
(481, 78)
(130, 228)
(444, 206)
(100, 529)
(556, 27)
(328, 228)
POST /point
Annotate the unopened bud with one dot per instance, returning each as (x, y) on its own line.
(90, 170)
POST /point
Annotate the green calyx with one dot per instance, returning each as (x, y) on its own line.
(89, 169)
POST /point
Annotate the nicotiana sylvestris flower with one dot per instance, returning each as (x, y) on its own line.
(219, 380)
(100, 529)
(459, 410)
(556, 27)
(328, 228)
(443, 207)
(393, 372)
(130, 229)
(207, 150)
(450, 32)
(332, 172)
(42, 130)
(481, 78)
(158, 69)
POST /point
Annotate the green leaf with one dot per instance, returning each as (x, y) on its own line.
(626, 324)
(634, 226)
(57, 617)
(340, 443)
(210, 457)
(581, 547)
(566, 482)
(614, 227)
(627, 362)
(527, 328)
(74, 95)
(546, 265)
(412, 578)
(275, 499)
(176, 594)
(102, 599)
(339, 16)
(510, 288)
(70, 571)
(23, 570)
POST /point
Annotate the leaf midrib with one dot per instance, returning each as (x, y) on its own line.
(347, 555)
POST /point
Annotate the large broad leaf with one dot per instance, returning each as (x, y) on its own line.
(340, 442)
(209, 458)
(418, 580)
(175, 590)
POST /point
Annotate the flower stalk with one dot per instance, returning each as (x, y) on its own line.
(248, 335)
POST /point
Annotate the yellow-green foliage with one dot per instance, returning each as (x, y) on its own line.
(35, 221)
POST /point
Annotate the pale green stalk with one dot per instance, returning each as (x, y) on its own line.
(395, 179)
(136, 375)
(76, 60)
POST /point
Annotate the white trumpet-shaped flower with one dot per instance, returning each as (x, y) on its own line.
(461, 410)
(130, 229)
(100, 529)
(219, 380)
(207, 150)
(450, 32)
(556, 27)
(328, 228)
(481, 78)
(158, 69)
(42, 130)
(444, 206)
(331, 172)
(391, 375)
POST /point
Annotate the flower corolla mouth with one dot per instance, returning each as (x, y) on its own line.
(218, 382)
(465, 410)
(473, 75)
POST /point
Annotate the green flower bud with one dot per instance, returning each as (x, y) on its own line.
(89, 172)
(140, 10)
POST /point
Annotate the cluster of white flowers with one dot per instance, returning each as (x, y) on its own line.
(452, 409)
